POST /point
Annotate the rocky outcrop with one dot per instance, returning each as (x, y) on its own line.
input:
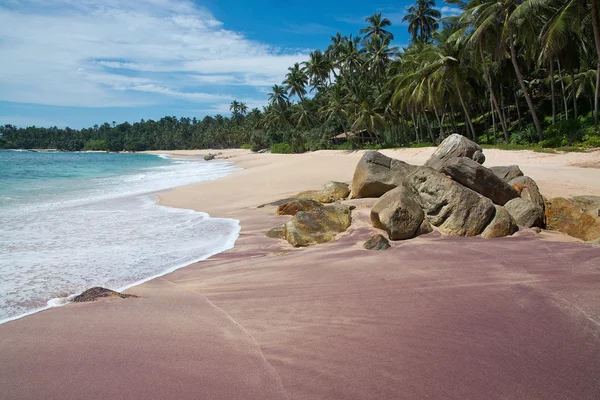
(480, 179)
(98, 292)
(209, 157)
(319, 225)
(502, 224)
(454, 209)
(295, 205)
(399, 213)
(329, 193)
(377, 242)
(578, 217)
(277, 232)
(377, 174)
(507, 173)
(526, 213)
(455, 145)
(528, 190)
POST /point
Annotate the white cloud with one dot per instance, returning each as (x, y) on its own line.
(100, 53)
(448, 11)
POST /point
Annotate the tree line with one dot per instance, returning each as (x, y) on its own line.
(511, 71)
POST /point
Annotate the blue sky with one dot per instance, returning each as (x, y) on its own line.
(83, 62)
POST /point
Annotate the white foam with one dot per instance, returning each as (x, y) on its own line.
(111, 234)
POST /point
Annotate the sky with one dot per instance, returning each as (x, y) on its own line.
(78, 63)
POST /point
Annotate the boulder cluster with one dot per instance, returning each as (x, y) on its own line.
(453, 193)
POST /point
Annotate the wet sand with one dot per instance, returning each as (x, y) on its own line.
(434, 317)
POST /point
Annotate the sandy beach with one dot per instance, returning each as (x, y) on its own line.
(434, 317)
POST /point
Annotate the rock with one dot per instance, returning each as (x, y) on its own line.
(398, 213)
(526, 213)
(507, 173)
(425, 228)
(377, 174)
(478, 157)
(377, 242)
(455, 145)
(277, 233)
(480, 179)
(295, 205)
(578, 217)
(209, 157)
(329, 192)
(528, 190)
(319, 225)
(97, 292)
(502, 224)
(453, 208)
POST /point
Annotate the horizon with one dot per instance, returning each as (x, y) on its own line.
(105, 61)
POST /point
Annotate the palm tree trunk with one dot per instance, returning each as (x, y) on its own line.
(493, 119)
(518, 110)
(564, 93)
(467, 116)
(597, 42)
(574, 92)
(488, 81)
(437, 116)
(513, 57)
(552, 89)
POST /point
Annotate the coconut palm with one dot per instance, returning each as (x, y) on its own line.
(422, 20)
(376, 29)
(278, 96)
(296, 81)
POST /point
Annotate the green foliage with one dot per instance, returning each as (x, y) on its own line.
(246, 146)
(281, 148)
(95, 145)
(422, 144)
(562, 133)
(524, 136)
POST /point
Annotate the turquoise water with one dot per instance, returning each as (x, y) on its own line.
(29, 176)
(70, 221)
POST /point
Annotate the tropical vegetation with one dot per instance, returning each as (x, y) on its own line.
(510, 72)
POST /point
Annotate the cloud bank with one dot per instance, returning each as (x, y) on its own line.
(111, 53)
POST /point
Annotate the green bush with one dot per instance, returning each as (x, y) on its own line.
(95, 145)
(524, 136)
(343, 146)
(246, 146)
(281, 148)
(563, 133)
(422, 144)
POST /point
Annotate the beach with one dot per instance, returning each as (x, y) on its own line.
(433, 317)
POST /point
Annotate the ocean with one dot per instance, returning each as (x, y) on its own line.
(70, 221)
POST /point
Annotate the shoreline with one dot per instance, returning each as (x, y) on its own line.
(153, 198)
(333, 321)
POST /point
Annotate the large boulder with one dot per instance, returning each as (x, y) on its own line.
(377, 242)
(293, 206)
(578, 217)
(455, 145)
(398, 213)
(319, 225)
(526, 213)
(480, 179)
(277, 232)
(453, 208)
(502, 224)
(508, 172)
(329, 193)
(528, 190)
(377, 174)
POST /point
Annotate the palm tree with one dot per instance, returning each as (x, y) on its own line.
(278, 96)
(376, 29)
(296, 81)
(317, 68)
(422, 20)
